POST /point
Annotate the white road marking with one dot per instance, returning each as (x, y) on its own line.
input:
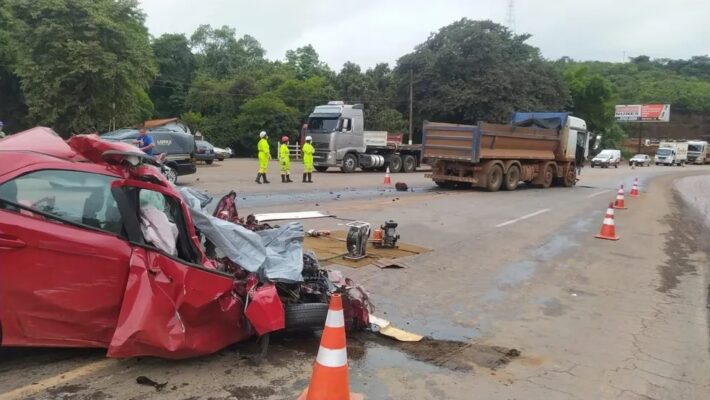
(598, 193)
(512, 221)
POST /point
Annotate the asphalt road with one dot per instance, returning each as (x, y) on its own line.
(591, 319)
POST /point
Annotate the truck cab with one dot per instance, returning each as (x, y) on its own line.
(697, 152)
(340, 140)
(672, 153)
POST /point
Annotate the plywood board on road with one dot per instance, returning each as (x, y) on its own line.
(331, 249)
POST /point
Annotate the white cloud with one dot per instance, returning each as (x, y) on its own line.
(372, 31)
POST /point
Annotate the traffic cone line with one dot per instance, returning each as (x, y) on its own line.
(388, 180)
(608, 229)
(619, 203)
(329, 380)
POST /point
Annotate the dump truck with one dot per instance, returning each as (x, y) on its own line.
(535, 148)
(340, 140)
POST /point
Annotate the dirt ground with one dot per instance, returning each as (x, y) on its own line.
(518, 299)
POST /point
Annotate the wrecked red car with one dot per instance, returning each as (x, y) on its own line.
(82, 266)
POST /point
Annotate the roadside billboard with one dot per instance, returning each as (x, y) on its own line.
(643, 112)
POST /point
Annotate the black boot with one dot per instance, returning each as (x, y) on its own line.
(309, 178)
(258, 178)
(283, 178)
(288, 178)
(304, 177)
(264, 176)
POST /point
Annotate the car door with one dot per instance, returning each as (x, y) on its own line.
(63, 260)
(173, 307)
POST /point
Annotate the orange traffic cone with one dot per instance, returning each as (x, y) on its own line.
(608, 230)
(330, 372)
(388, 180)
(619, 203)
(635, 188)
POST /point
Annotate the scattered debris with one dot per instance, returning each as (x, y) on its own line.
(317, 233)
(401, 186)
(356, 242)
(144, 380)
(385, 328)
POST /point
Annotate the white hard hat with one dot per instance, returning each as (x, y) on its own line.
(308, 138)
(262, 134)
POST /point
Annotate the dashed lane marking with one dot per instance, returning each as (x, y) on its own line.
(524, 217)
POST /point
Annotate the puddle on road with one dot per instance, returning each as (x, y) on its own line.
(370, 351)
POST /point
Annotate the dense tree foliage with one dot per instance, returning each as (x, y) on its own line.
(81, 62)
(68, 63)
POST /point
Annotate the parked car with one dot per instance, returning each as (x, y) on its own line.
(642, 160)
(99, 250)
(606, 159)
(178, 147)
(221, 153)
(204, 152)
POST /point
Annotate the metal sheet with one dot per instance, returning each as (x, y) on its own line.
(291, 215)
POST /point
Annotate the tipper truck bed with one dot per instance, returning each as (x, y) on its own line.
(536, 148)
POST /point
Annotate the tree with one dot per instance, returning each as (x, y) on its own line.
(267, 113)
(13, 110)
(351, 83)
(306, 64)
(387, 119)
(305, 95)
(478, 70)
(220, 55)
(82, 62)
(176, 67)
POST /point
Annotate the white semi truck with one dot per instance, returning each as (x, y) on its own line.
(340, 140)
(672, 153)
(697, 152)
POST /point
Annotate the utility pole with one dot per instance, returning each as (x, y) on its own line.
(510, 17)
(411, 101)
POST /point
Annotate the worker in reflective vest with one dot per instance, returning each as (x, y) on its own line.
(264, 157)
(285, 160)
(308, 151)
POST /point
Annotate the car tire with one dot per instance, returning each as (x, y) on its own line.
(321, 169)
(349, 163)
(170, 174)
(306, 316)
(209, 162)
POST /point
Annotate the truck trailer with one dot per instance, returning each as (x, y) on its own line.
(536, 148)
(340, 140)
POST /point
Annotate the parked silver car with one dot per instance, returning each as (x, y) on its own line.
(642, 160)
(221, 153)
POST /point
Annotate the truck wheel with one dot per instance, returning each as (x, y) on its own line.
(349, 163)
(570, 178)
(549, 176)
(321, 169)
(409, 163)
(306, 316)
(494, 178)
(512, 178)
(395, 163)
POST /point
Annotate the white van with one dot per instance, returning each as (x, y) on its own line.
(607, 158)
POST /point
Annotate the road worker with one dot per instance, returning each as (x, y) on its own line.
(285, 160)
(308, 151)
(264, 157)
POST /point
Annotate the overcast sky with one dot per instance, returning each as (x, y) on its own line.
(371, 31)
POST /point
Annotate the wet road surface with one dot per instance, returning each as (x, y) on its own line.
(519, 303)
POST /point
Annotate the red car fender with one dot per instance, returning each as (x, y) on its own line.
(265, 311)
(172, 310)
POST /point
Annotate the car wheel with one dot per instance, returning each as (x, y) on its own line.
(170, 174)
(306, 316)
(349, 163)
